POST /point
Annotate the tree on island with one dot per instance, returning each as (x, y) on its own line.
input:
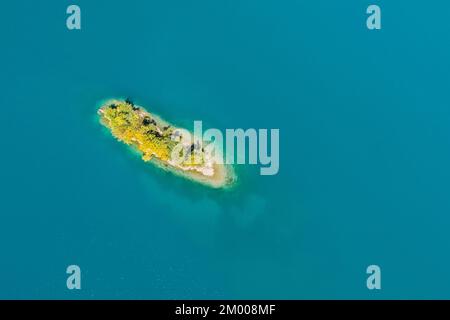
(129, 101)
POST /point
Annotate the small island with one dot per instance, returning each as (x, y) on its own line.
(158, 141)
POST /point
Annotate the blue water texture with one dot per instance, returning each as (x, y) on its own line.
(364, 119)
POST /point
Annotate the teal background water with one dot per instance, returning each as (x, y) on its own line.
(364, 164)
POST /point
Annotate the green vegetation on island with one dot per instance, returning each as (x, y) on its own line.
(159, 141)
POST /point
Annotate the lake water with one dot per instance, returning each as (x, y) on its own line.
(364, 150)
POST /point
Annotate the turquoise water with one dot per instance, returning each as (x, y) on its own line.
(364, 151)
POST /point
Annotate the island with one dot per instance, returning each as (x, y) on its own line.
(158, 141)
